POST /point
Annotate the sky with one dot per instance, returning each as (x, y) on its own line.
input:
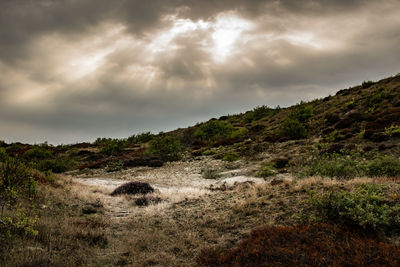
(75, 70)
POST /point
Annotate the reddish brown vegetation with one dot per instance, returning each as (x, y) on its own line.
(305, 245)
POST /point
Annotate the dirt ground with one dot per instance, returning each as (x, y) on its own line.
(192, 214)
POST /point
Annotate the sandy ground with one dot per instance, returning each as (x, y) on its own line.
(174, 182)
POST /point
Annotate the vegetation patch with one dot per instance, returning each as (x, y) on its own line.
(350, 165)
(231, 156)
(267, 170)
(166, 147)
(366, 207)
(305, 245)
(292, 129)
(133, 188)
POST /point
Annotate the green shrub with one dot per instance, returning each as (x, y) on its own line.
(112, 147)
(3, 154)
(15, 181)
(302, 112)
(115, 165)
(332, 166)
(292, 129)
(57, 165)
(267, 170)
(239, 132)
(393, 130)
(350, 105)
(367, 84)
(259, 113)
(366, 206)
(214, 130)
(166, 147)
(383, 166)
(38, 153)
(141, 138)
(209, 152)
(231, 156)
(377, 98)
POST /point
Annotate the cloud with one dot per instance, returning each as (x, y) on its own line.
(74, 70)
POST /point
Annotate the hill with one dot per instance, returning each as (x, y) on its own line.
(314, 184)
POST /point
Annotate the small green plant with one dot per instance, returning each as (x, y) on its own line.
(112, 147)
(383, 166)
(366, 207)
(332, 165)
(209, 152)
(38, 153)
(267, 170)
(367, 84)
(57, 165)
(302, 112)
(292, 129)
(166, 147)
(393, 130)
(350, 105)
(239, 132)
(214, 130)
(115, 165)
(259, 113)
(231, 156)
(3, 154)
(377, 98)
(141, 138)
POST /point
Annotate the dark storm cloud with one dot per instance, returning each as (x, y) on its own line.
(72, 70)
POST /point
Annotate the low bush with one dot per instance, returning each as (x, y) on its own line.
(16, 181)
(292, 129)
(376, 98)
(302, 112)
(112, 147)
(305, 245)
(141, 138)
(57, 165)
(383, 166)
(267, 170)
(366, 84)
(366, 207)
(393, 131)
(231, 156)
(17, 186)
(259, 113)
(214, 130)
(133, 188)
(166, 147)
(350, 165)
(115, 165)
(38, 153)
(332, 165)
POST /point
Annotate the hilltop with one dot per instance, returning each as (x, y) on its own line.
(366, 116)
(317, 183)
